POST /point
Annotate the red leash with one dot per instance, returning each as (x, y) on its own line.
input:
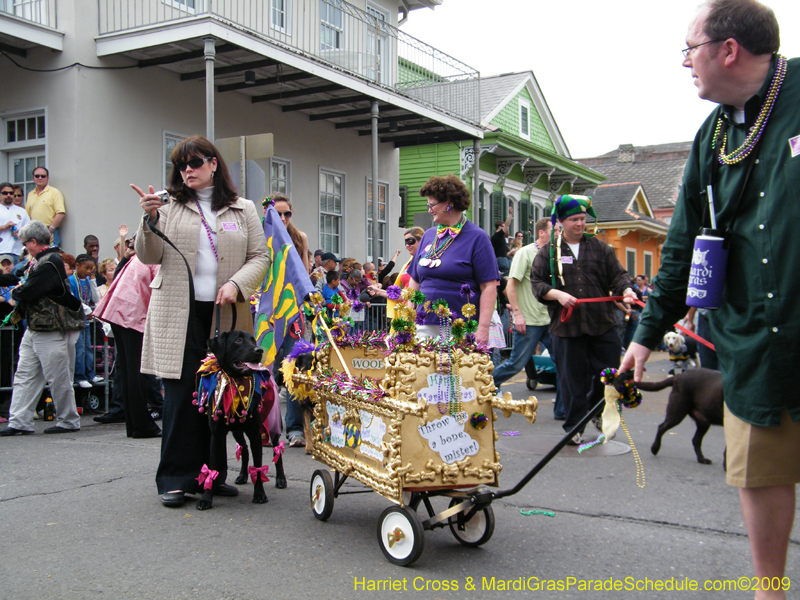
(566, 313)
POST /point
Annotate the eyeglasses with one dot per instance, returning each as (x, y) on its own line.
(195, 163)
(40, 176)
(287, 214)
(7, 193)
(17, 195)
(430, 206)
(411, 241)
(686, 51)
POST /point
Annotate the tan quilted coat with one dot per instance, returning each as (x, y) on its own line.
(243, 258)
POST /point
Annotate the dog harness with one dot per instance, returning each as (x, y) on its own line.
(233, 399)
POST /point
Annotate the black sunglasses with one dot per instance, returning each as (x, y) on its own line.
(40, 176)
(411, 241)
(287, 214)
(7, 193)
(195, 163)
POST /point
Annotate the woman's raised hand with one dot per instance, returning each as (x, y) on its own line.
(150, 203)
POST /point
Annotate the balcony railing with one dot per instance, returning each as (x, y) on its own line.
(330, 31)
(42, 12)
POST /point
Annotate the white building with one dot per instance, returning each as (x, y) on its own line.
(99, 91)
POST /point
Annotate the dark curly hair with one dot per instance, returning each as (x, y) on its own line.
(199, 147)
(447, 189)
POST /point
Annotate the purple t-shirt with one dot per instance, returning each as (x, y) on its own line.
(469, 259)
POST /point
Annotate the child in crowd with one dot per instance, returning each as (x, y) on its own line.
(333, 278)
(106, 268)
(69, 263)
(84, 288)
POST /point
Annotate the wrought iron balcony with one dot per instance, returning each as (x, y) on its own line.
(332, 32)
(41, 12)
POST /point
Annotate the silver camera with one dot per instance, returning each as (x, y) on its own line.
(163, 195)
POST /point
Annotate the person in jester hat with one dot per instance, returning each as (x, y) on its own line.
(570, 267)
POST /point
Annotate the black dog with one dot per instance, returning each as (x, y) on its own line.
(238, 369)
(697, 393)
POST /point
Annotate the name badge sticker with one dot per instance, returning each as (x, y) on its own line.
(567, 260)
(229, 227)
(794, 144)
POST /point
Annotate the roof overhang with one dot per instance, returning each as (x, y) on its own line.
(284, 77)
(18, 35)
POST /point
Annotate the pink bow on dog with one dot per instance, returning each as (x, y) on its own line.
(254, 471)
(238, 453)
(207, 477)
(277, 451)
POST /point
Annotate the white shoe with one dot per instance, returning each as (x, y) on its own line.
(37, 415)
(576, 440)
(84, 384)
(98, 379)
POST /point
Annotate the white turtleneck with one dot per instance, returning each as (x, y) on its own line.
(205, 272)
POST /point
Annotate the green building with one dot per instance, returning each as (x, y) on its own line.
(524, 161)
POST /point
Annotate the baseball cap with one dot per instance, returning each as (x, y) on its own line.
(7, 257)
(330, 256)
(319, 252)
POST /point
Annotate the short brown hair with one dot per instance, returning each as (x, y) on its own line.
(541, 225)
(749, 22)
(447, 189)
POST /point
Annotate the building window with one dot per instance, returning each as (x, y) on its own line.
(648, 265)
(279, 15)
(182, 5)
(170, 141)
(377, 44)
(383, 190)
(331, 27)
(630, 261)
(280, 176)
(525, 119)
(25, 129)
(22, 166)
(331, 210)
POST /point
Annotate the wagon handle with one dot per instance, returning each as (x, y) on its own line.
(549, 456)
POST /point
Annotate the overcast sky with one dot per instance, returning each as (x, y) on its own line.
(610, 71)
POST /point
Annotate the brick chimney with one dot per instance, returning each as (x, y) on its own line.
(626, 153)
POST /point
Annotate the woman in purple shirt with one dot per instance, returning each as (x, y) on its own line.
(454, 253)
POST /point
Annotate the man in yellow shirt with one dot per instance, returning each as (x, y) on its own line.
(46, 204)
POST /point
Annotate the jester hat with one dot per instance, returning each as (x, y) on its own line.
(565, 207)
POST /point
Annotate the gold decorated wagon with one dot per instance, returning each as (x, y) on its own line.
(410, 423)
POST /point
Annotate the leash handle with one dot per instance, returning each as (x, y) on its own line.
(217, 318)
(566, 313)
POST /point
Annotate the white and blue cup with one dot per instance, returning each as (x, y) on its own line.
(707, 273)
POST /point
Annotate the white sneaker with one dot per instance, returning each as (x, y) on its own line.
(37, 415)
(98, 379)
(84, 384)
(576, 440)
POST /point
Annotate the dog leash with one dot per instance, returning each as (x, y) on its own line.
(151, 224)
(566, 313)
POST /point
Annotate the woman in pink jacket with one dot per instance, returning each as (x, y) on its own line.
(125, 307)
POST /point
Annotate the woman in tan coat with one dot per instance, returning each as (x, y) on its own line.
(221, 237)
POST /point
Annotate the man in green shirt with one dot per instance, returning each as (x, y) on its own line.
(732, 53)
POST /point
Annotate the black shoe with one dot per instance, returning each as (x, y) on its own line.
(157, 434)
(598, 423)
(108, 418)
(227, 490)
(57, 429)
(173, 499)
(9, 431)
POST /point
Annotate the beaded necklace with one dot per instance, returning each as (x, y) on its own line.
(83, 289)
(208, 229)
(445, 236)
(758, 127)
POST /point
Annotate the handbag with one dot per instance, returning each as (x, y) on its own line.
(45, 314)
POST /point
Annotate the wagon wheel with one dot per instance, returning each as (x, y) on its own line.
(400, 535)
(92, 401)
(532, 383)
(475, 532)
(321, 494)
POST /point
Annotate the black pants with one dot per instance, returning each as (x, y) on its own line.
(186, 437)
(133, 384)
(579, 362)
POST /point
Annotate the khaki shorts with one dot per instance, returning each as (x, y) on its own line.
(761, 456)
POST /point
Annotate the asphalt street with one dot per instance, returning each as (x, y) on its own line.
(80, 518)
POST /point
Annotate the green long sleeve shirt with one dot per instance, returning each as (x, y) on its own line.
(756, 331)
